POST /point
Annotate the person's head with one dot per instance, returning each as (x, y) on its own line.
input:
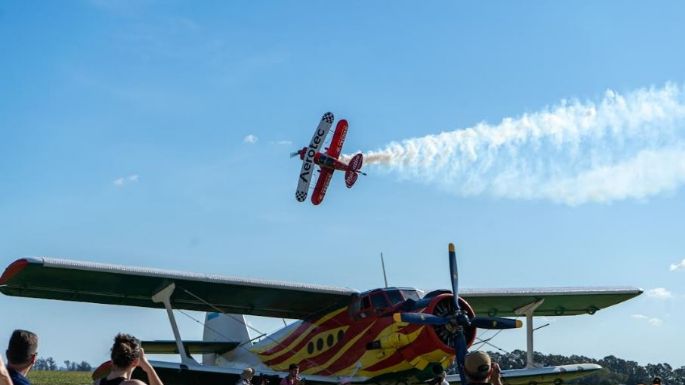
(125, 351)
(22, 349)
(247, 374)
(478, 366)
(293, 369)
(656, 380)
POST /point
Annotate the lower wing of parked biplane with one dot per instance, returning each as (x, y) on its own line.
(178, 374)
(154, 288)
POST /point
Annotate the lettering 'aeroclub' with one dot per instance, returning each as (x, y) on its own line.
(306, 171)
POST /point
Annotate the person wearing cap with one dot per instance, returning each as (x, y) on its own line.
(246, 377)
(656, 380)
(21, 355)
(293, 377)
(479, 369)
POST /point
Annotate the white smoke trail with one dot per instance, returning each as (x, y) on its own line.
(625, 146)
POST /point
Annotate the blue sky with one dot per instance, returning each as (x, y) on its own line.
(123, 141)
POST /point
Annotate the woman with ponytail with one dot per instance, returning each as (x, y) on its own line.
(126, 356)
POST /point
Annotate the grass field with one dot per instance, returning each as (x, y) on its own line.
(42, 377)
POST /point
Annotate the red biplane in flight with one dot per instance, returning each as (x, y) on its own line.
(385, 336)
(327, 162)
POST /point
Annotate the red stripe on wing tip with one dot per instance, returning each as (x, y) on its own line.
(13, 269)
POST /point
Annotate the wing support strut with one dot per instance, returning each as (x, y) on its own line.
(164, 296)
(528, 311)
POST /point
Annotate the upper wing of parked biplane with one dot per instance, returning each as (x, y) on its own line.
(135, 286)
(556, 301)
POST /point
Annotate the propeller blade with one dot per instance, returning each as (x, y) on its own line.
(454, 276)
(294, 154)
(495, 323)
(460, 351)
(419, 318)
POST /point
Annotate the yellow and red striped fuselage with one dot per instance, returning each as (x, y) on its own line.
(360, 340)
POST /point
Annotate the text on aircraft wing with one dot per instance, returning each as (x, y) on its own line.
(307, 170)
(558, 301)
(134, 286)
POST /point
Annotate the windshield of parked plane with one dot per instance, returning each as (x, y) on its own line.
(411, 294)
(378, 300)
(395, 296)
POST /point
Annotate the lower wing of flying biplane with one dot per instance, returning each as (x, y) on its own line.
(154, 288)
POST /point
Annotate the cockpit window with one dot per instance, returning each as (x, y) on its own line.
(395, 296)
(366, 303)
(379, 302)
(411, 294)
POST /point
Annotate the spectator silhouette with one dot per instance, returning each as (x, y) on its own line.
(126, 356)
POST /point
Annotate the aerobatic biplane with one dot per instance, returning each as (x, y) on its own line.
(388, 336)
(328, 162)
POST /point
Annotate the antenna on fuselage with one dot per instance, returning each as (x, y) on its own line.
(385, 277)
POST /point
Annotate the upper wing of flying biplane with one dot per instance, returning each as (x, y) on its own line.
(338, 140)
(135, 286)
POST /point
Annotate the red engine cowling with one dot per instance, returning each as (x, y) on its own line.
(442, 305)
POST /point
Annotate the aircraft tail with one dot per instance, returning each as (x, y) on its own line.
(224, 328)
(350, 178)
(356, 162)
(352, 170)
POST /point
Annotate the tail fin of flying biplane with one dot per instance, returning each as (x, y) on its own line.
(350, 178)
(352, 169)
(356, 162)
(224, 328)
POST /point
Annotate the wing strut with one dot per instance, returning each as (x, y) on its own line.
(164, 296)
(528, 311)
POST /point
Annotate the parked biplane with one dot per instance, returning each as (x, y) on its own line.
(328, 161)
(388, 336)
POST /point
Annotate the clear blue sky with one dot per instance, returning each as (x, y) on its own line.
(123, 141)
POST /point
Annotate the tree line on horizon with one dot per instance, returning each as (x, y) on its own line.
(616, 370)
(69, 366)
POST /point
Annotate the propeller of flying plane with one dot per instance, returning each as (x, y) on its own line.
(455, 319)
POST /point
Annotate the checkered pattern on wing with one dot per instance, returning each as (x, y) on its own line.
(301, 196)
(328, 117)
